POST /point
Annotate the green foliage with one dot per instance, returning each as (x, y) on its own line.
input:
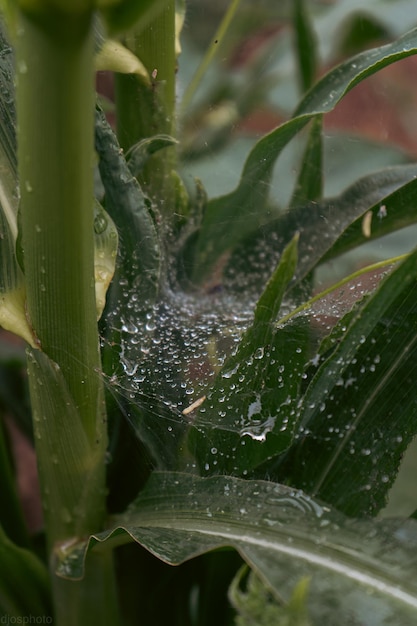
(257, 420)
(23, 582)
(257, 606)
(356, 567)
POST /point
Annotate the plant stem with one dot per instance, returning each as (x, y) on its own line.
(55, 108)
(56, 155)
(96, 592)
(144, 111)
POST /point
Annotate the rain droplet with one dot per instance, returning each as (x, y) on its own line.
(259, 354)
(100, 223)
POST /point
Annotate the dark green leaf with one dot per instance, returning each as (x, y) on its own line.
(309, 185)
(139, 154)
(24, 583)
(139, 264)
(11, 514)
(230, 218)
(248, 414)
(305, 45)
(360, 410)
(391, 213)
(128, 207)
(360, 571)
(325, 227)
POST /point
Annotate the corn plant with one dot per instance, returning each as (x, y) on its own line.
(197, 399)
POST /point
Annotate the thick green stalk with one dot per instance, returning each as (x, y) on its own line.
(143, 110)
(55, 100)
(55, 108)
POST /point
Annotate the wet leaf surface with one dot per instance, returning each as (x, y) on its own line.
(359, 412)
(231, 218)
(360, 570)
(249, 413)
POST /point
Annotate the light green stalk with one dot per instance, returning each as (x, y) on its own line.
(55, 108)
(143, 110)
(55, 102)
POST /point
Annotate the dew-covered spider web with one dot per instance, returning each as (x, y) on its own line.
(174, 354)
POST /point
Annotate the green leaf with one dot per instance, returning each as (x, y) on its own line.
(354, 423)
(114, 57)
(105, 250)
(256, 605)
(12, 291)
(391, 213)
(138, 264)
(129, 209)
(232, 217)
(245, 417)
(322, 226)
(360, 570)
(305, 45)
(24, 583)
(309, 185)
(138, 155)
(71, 469)
(11, 514)
(330, 227)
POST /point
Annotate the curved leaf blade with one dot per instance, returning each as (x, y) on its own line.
(354, 423)
(232, 217)
(330, 227)
(245, 418)
(128, 208)
(364, 565)
(21, 570)
(391, 213)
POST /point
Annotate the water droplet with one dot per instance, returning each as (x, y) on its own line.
(255, 407)
(100, 223)
(259, 354)
(230, 373)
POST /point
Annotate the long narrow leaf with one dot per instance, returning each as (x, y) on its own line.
(24, 584)
(360, 410)
(232, 217)
(247, 415)
(68, 463)
(330, 227)
(359, 570)
(309, 185)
